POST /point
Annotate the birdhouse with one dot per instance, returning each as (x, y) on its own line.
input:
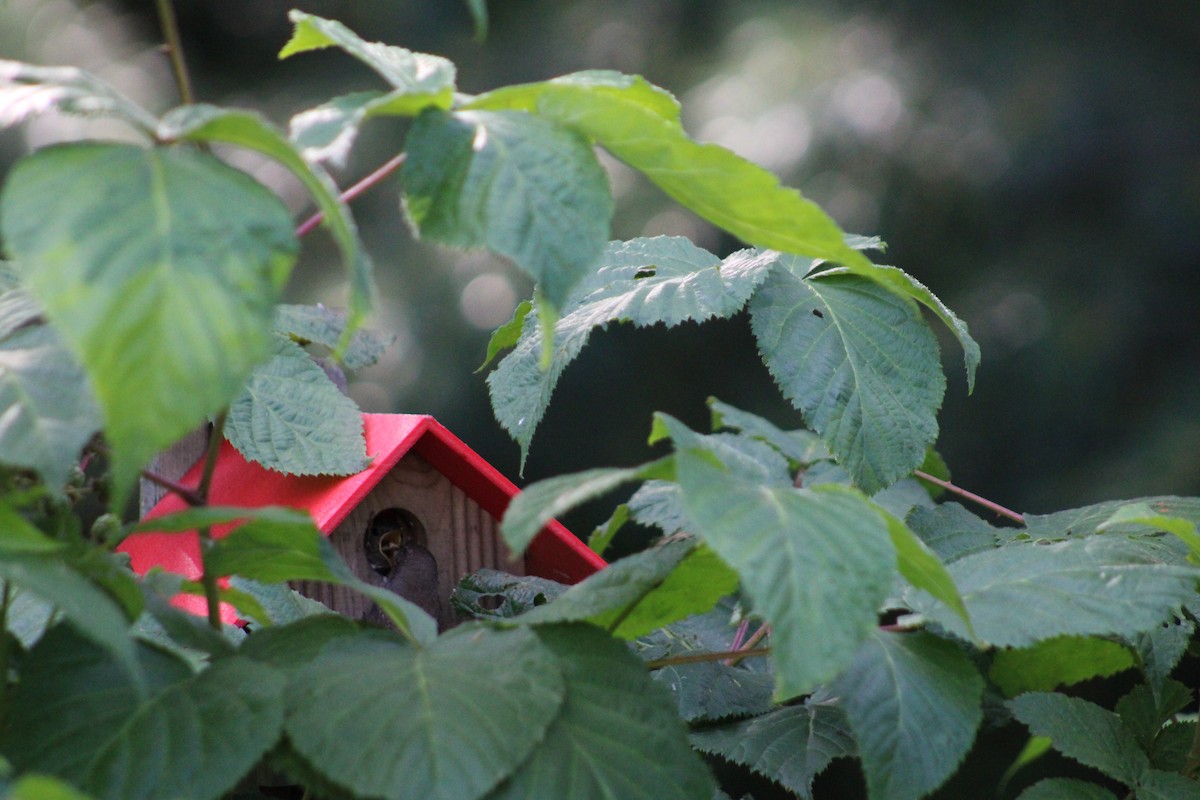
(425, 491)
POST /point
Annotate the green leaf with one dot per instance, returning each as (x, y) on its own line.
(903, 283)
(1061, 661)
(449, 720)
(816, 562)
(790, 746)
(541, 502)
(1144, 715)
(1173, 745)
(508, 334)
(523, 187)
(801, 446)
(1023, 593)
(639, 124)
(418, 74)
(18, 309)
(159, 269)
(174, 741)
(205, 123)
(951, 531)
(659, 504)
(660, 280)
(89, 609)
(921, 567)
(281, 603)
(43, 787)
(602, 535)
(27, 91)
(617, 736)
(1159, 785)
(1086, 520)
(865, 372)
(1083, 731)
(1141, 515)
(1066, 789)
(913, 701)
(326, 326)
(293, 419)
(644, 591)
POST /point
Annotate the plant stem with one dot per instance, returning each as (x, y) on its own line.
(208, 580)
(174, 48)
(188, 495)
(754, 639)
(983, 501)
(700, 658)
(354, 191)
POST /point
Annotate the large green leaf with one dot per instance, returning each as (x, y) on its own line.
(617, 736)
(159, 269)
(816, 562)
(523, 187)
(1061, 661)
(791, 745)
(1101, 585)
(205, 123)
(660, 280)
(293, 419)
(921, 567)
(1159, 651)
(48, 410)
(1083, 731)
(862, 365)
(913, 701)
(801, 446)
(639, 593)
(27, 90)
(448, 721)
(639, 124)
(75, 714)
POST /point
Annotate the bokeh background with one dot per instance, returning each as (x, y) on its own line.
(1036, 163)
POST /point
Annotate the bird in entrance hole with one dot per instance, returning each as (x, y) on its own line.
(414, 577)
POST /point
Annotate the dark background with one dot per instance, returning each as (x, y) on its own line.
(1037, 164)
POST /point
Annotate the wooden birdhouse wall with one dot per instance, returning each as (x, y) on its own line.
(461, 536)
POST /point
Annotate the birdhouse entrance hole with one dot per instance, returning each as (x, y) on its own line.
(389, 530)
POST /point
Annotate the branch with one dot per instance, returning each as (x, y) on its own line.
(174, 49)
(353, 192)
(983, 501)
(189, 495)
(700, 658)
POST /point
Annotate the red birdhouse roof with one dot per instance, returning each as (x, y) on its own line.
(555, 553)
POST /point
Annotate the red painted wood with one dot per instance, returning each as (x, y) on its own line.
(554, 554)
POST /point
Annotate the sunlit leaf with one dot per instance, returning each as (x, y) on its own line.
(27, 91)
(159, 269)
